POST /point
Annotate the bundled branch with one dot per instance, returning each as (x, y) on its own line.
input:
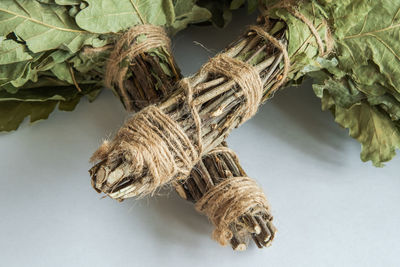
(193, 121)
(233, 202)
(162, 143)
(138, 88)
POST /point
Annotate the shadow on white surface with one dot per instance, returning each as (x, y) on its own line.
(294, 116)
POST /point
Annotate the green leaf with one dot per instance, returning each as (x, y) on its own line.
(188, 13)
(377, 134)
(13, 72)
(39, 102)
(118, 15)
(365, 116)
(367, 98)
(235, 4)
(220, 10)
(42, 27)
(46, 1)
(12, 113)
(252, 5)
(68, 2)
(387, 103)
(169, 10)
(46, 93)
(343, 92)
(372, 39)
(12, 52)
(69, 105)
(61, 2)
(62, 71)
(360, 81)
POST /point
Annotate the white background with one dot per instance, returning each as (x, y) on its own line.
(330, 208)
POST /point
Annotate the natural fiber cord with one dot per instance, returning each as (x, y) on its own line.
(128, 48)
(227, 201)
(244, 74)
(152, 142)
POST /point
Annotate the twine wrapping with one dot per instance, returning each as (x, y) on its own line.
(286, 60)
(223, 148)
(227, 201)
(244, 74)
(154, 144)
(127, 48)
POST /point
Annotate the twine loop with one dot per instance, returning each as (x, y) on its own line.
(127, 48)
(282, 47)
(227, 201)
(154, 144)
(328, 38)
(244, 74)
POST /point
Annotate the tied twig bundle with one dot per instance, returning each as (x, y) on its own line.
(219, 98)
(251, 220)
(124, 55)
(229, 200)
(233, 202)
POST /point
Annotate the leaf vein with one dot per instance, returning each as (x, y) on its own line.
(387, 46)
(372, 32)
(137, 11)
(40, 22)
